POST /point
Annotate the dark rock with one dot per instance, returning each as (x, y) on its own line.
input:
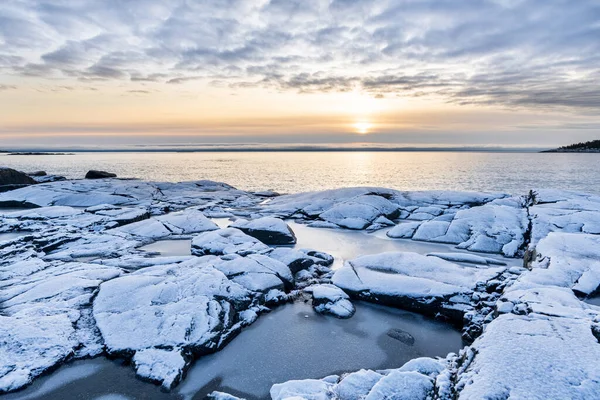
(49, 178)
(11, 179)
(401, 336)
(268, 230)
(37, 173)
(93, 174)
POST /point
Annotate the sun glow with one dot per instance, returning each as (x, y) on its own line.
(362, 127)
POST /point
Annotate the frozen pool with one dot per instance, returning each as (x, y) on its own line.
(291, 342)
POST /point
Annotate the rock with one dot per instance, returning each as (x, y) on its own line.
(357, 385)
(45, 320)
(257, 273)
(177, 223)
(403, 383)
(37, 173)
(404, 230)
(268, 230)
(94, 174)
(414, 282)
(11, 179)
(49, 178)
(227, 241)
(401, 336)
(490, 228)
(172, 324)
(467, 258)
(329, 299)
(32, 346)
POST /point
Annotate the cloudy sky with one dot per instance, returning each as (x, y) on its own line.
(395, 72)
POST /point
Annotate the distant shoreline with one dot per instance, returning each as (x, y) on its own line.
(274, 150)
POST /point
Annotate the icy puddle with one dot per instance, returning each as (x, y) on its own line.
(292, 342)
(11, 235)
(168, 248)
(346, 245)
(593, 300)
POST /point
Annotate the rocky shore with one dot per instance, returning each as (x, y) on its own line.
(76, 284)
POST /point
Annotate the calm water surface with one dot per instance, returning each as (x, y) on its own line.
(290, 172)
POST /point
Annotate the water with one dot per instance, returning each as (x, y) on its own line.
(282, 345)
(291, 172)
(345, 244)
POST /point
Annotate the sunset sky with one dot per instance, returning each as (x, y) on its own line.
(112, 73)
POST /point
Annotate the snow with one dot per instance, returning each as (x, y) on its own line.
(227, 241)
(413, 281)
(181, 307)
(403, 383)
(466, 258)
(530, 357)
(31, 346)
(178, 223)
(329, 299)
(533, 335)
(404, 230)
(488, 228)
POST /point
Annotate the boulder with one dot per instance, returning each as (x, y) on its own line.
(37, 173)
(93, 174)
(330, 299)
(268, 230)
(226, 241)
(12, 179)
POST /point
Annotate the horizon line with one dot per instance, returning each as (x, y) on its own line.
(241, 149)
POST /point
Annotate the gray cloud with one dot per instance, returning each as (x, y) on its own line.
(516, 53)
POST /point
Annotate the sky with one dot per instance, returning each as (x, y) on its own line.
(119, 73)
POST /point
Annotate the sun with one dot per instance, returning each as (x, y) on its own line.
(362, 127)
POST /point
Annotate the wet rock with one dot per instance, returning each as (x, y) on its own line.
(94, 174)
(401, 336)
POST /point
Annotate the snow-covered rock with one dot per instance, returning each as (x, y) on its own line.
(330, 299)
(227, 241)
(407, 382)
(533, 357)
(414, 282)
(488, 228)
(178, 223)
(159, 314)
(268, 230)
(467, 258)
(257, 272)
(46, 317)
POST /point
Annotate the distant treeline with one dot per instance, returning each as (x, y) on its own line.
(591, 146)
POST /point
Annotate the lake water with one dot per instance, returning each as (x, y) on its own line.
(291, 342)
(290, 172)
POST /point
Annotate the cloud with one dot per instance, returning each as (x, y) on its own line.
(515, 53)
